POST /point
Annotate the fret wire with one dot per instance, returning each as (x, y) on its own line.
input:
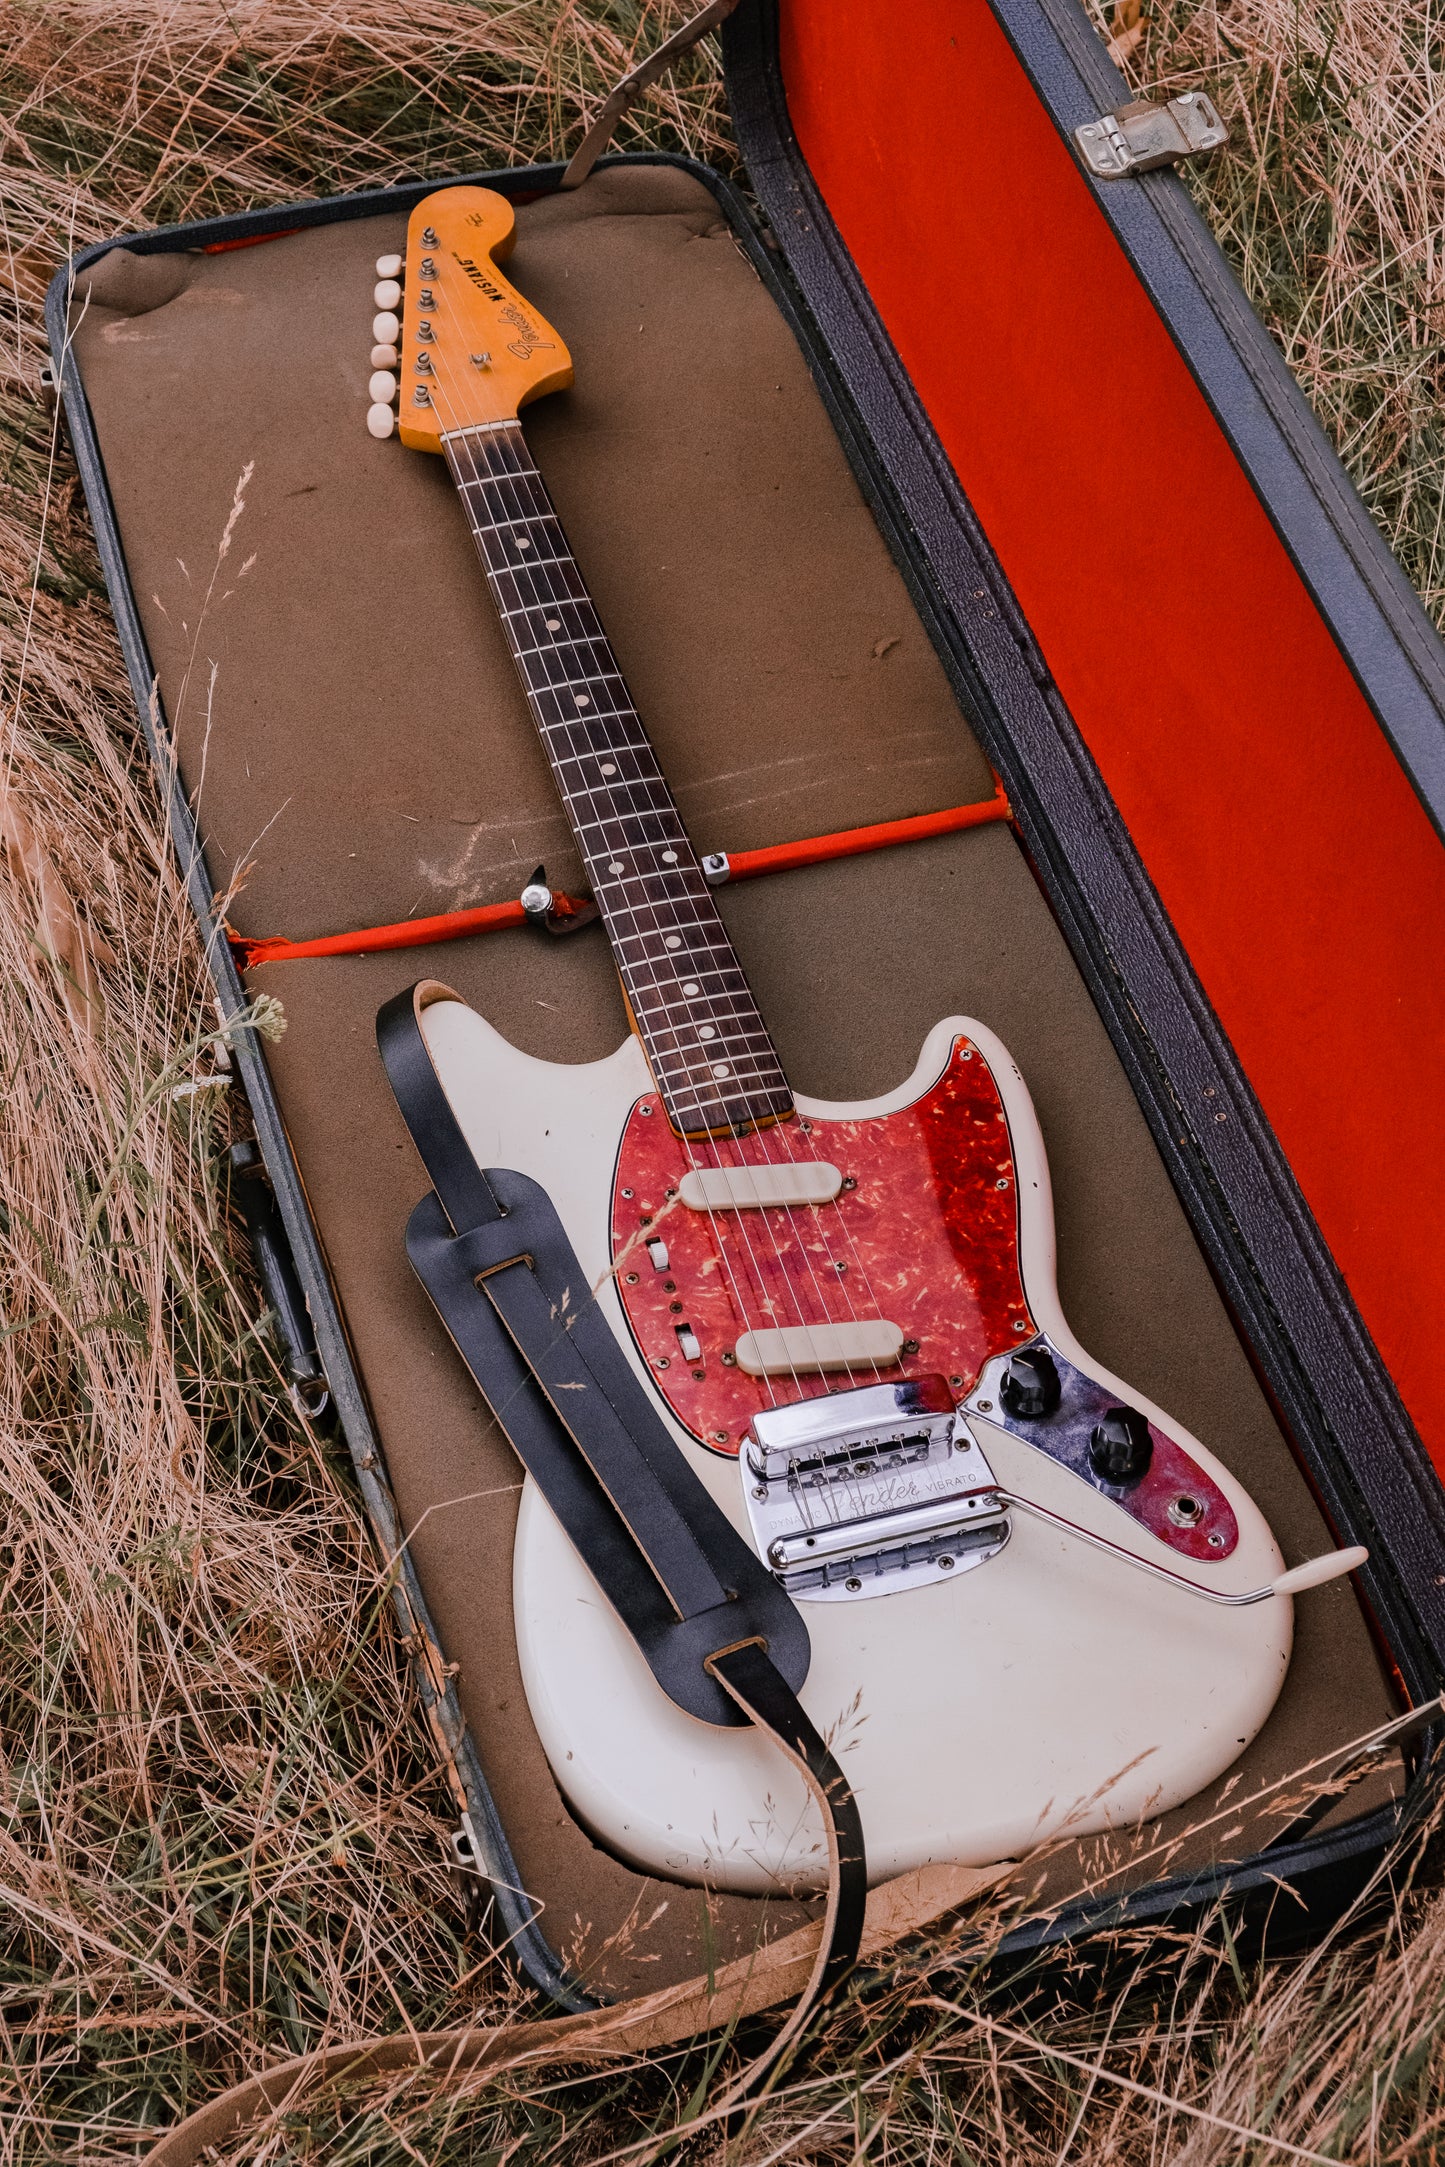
(552, 647)
(611, 749)
(688, 1075)
(590, 713)
(622, 935)
(750, 1056)
(714, 1103)
(633, 910)
(701, 1006)
(685, 1057)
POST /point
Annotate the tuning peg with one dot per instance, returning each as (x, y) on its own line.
(386, 328)
(380, 420)
(383, 357)
(389, 266)
(382, 388)
(387, 293)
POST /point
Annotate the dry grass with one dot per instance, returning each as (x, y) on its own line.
(218, 1808)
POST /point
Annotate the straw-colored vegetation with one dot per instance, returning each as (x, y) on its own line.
(219, 1814)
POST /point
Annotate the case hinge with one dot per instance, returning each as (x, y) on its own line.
(1141, 136)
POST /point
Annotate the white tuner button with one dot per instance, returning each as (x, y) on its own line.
(387, 293)
(383, 357)
(386, 328)
(388, 266)
(382, 388)
(380, 420)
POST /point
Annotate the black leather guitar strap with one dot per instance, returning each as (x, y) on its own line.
(722, 1639)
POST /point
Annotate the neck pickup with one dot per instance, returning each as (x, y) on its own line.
(715, 1065)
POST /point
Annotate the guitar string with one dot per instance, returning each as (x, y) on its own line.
(643, 977)
(509, 484)
(719, 1243)
(525, 513)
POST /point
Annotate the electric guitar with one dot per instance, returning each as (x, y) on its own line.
(1037, 1606)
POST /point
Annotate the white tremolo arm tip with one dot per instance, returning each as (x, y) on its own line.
(1332, 1566)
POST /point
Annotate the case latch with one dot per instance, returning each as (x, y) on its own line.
(1140, 136)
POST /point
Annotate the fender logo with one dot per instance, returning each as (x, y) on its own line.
(528, 338)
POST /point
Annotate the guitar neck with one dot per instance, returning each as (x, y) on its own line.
(708, 1047)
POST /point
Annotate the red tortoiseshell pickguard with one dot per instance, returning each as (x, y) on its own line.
(928, 1238)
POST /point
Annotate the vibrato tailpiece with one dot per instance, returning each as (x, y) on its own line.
(871, 1491)
(883, 1489)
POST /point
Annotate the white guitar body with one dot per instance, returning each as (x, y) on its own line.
(1050, 1691)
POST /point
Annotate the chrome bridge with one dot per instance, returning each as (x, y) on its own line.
(870, 1492)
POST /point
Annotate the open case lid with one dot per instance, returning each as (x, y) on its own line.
(1213, 696)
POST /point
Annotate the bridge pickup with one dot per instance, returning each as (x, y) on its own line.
(805, 1349)
(759, 1188)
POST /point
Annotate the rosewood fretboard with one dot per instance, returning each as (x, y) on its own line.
(709, 1049)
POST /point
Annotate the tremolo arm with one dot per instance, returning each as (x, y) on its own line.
(888, 1487)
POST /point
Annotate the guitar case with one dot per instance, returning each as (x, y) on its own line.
(910, 474)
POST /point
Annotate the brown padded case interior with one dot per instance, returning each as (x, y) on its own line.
(354, 740)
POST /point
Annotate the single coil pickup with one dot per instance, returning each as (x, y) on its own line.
(805, 1350)
(760, 1188)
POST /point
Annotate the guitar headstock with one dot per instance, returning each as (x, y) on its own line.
(455, 343)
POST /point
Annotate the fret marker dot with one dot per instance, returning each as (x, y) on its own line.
(617, 866)
(669, 857)
(581, 699)
(674, 940)
(523, 541)
(692, 986)
(720, 1069)
(554, 624)
(607, 768)
(706, 1031)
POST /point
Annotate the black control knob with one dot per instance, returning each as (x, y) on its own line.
(1121, 1448)
(1029, 1387)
